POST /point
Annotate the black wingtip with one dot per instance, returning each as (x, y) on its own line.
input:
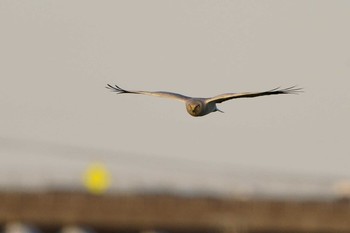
(117, 89)
(293, 90)
(109, 86)
(289, 90)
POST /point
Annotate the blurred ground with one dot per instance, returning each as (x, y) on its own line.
(50, 212)
(51, 187)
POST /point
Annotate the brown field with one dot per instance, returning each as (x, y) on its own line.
(136, 213)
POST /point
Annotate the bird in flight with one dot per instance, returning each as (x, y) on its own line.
(202, 106)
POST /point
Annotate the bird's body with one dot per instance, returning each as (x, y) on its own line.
(203, 106)
(199, 107)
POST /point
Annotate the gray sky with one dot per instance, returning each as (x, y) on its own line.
(57, 56)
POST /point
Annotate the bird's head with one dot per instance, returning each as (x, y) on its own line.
(194, 107)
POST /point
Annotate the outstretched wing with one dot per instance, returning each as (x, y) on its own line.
(276, 91)
(164, 94)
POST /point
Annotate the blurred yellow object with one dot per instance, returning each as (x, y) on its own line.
(97, 178)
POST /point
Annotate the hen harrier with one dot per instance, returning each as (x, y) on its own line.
(203, 106)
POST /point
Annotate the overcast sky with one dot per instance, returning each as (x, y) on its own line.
(57, 57)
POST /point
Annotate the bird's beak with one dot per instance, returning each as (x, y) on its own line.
(219, 110)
